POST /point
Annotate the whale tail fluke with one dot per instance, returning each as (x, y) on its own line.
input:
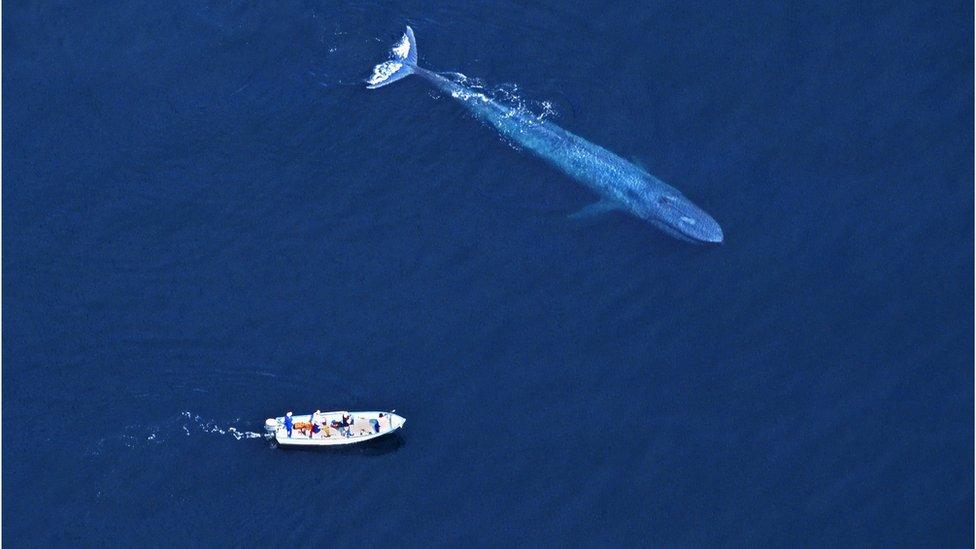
(402, 63)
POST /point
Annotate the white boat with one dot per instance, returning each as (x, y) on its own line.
(334, 428)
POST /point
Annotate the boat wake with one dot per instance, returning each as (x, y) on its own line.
(196, 423)
(173, 430)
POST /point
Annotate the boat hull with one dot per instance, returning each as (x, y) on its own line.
(365, 426)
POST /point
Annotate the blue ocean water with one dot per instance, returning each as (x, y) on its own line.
(207, 221)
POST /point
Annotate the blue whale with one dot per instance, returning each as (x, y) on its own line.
(620, 184)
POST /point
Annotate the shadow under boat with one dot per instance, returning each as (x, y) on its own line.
(374, 447)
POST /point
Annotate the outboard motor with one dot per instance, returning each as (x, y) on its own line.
(270, 426)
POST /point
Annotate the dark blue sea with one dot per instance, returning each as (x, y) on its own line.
(207, 221)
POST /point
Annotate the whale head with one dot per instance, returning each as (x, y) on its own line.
(679, 217)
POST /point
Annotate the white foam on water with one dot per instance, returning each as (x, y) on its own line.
(402, 49)
(242, 434)
(466, 95)
(211, 427)
(383, 71)
(508, 95)
(173, 430)
(529, 112)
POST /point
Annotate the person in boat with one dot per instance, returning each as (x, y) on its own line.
(316, 421)
(288, 423)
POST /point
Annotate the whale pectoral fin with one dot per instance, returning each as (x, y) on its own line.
(595, 209)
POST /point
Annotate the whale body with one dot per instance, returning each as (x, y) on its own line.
(620, 184)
